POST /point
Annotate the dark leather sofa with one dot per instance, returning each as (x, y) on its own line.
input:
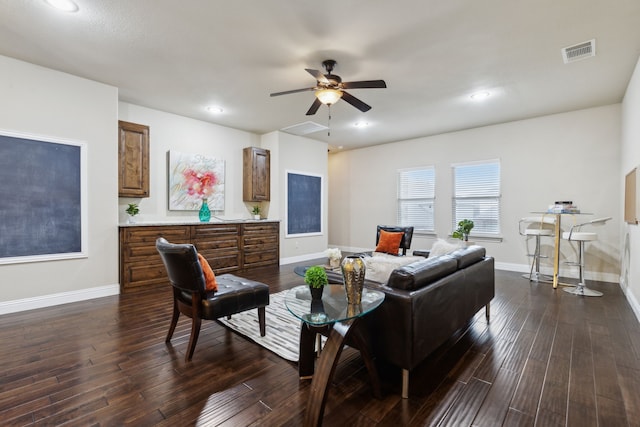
(426, 302)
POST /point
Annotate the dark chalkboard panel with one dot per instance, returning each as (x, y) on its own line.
(304, 204)
(40, 199)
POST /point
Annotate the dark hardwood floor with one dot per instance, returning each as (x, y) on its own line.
(547, 358)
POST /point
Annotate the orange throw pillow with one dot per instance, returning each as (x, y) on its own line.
(389, 242)
(209, 277)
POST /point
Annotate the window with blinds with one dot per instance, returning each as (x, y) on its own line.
(416, 198)
(476, 196)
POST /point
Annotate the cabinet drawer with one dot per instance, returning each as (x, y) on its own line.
(260, 242)
(261, 228)
(215, 231)
(144, 273)
(261, 258)
(150, 234)
(221, 262)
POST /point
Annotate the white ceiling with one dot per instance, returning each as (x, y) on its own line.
(181, 57)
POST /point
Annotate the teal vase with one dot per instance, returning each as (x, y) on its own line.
(205, 213)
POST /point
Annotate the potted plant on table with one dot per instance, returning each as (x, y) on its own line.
(256, 211)
(132, 210)
(316, 278)
(464, 228)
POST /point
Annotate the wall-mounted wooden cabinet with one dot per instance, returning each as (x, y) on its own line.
(133, 161)
(229, 247)
(256, 174)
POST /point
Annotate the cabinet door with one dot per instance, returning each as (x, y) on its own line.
(219, 244)
(133, 162)
(256, 174)
(140, 263)
(261, 244)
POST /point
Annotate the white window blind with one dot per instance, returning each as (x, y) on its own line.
(476, 196)
(416, 197)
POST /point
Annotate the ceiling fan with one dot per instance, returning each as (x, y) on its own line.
(330, 88)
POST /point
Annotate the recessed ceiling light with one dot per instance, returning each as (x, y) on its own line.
(478, 96)
(361, 124)
(215, 109)
(63, 5)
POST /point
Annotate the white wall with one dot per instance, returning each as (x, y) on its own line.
(288, 152)
(630, 158)
(297, 154)
(177, 133)
(45, 102)
(571, 156)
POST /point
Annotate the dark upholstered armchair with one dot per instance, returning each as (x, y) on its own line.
(405, 243)
(191, 298)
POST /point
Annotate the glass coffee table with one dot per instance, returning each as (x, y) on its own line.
(330, 316)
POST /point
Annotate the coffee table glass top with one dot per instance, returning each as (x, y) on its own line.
(332, 307)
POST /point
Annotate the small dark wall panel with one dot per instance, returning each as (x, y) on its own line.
(40, 197)
(304, 204)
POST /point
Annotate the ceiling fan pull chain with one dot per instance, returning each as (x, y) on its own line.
(329, 121)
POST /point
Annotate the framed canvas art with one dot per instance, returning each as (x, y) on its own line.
(43, 185)
(304, 204)
(193, 178)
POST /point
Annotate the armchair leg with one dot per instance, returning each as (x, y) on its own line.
(174, 321)
(193, 339)
(405, 383)
(261, 320)
(487, 310)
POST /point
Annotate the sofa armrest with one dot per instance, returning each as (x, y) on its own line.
(421, 252)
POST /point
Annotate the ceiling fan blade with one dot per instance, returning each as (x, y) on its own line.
(314, 107)
(365, 84)
(355, 102)
(286, 92)
(318, 75)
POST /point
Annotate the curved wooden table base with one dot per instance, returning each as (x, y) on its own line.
(329, 357)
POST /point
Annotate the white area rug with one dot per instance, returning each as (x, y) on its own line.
(282, 328)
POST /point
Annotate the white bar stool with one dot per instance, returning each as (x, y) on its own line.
(575, 235)
(535, 227)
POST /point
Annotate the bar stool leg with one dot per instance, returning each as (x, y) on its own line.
(581, 288)
(536, 276)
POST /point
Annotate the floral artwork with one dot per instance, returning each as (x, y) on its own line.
(194, 177)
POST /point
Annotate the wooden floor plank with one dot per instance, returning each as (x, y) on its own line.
(546, 358)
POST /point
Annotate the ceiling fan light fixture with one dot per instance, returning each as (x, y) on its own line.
(328, 96)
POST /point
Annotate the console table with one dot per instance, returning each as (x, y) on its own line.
(229, 246)
(333, 316)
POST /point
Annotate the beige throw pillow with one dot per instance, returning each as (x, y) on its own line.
(442, 247)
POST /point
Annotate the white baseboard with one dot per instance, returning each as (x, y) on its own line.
(25, 304)
(564, 272)
(633, 302)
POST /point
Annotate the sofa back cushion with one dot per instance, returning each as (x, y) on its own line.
(468, 255)
(421, 273)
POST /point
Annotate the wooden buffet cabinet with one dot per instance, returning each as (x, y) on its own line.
(228, 246)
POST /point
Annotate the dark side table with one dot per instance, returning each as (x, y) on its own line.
(330, 316)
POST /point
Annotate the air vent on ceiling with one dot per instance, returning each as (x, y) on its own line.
(304, 128)
(579, 51)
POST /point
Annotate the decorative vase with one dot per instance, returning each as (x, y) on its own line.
(316, 293)
(353, 270)
(205, 213)
(131, 219)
